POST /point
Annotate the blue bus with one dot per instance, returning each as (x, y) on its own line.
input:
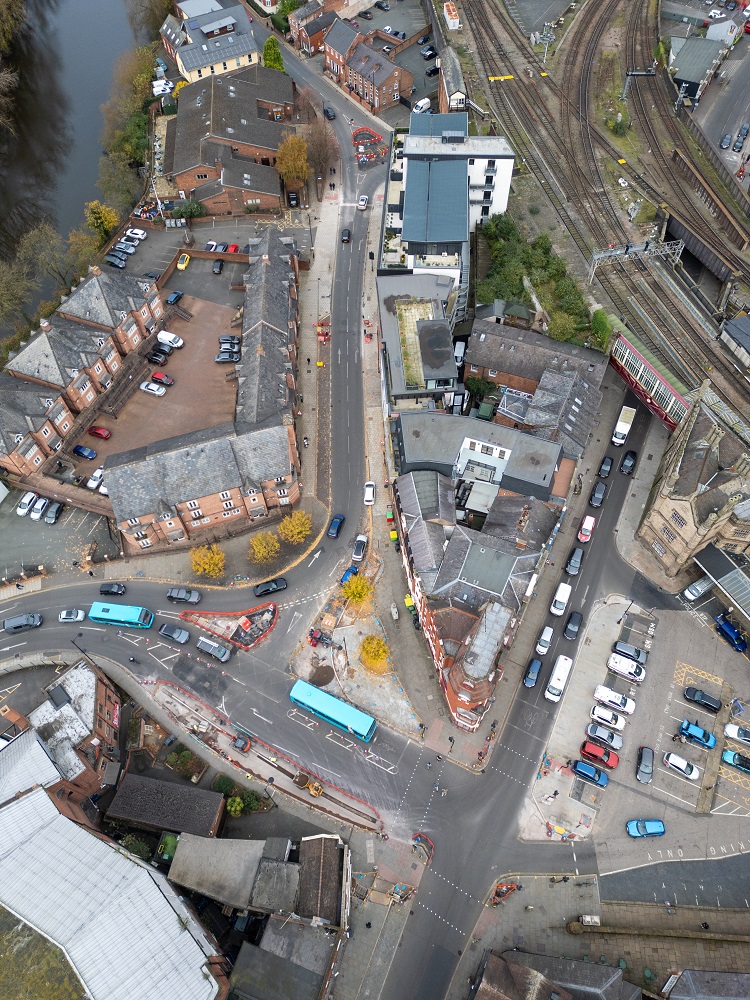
(121, 614)
(333, 710)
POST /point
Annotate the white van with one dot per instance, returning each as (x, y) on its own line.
(697, 589)
(171, 339)
(560, 600)
(545, 640)
(559, 678)
(459, 349)
(421, 106)
(626, 667)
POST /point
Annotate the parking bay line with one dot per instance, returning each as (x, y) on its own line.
(671, 796)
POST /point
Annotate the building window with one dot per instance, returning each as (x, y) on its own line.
(486, 449)
(192, 505)
(140, 534)
(487, 196)
(200, 74)
(471, 162)
(474, 368)
(201, 177)
(492, 373)
(485, 210)
(678, 519)
(488, 181)
(228, 505)
(45, 431)
(668, 533)
(145, 543)
(225, 495)
(283, 501)
(212, 70)
(115, 366)
(196, 514)
(65, 425)
(37, 460)
(491, 164)
(282, 493)
(253, 499)
(224, 67)
(132, 520)
(658, 548)
(229, 513)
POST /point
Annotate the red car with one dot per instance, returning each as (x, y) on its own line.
(162, 378)
(234, 248)
(100, 432)
(599, 755)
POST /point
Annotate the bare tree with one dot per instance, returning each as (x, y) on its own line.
(322, 146)
(8, 84)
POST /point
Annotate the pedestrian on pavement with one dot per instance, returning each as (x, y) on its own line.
(705, 926)
(91, 572)
(76, 563)
(308, 362)
(682, 739)
(19, 586)
(368, 925)
(429, 764)
(436, 788)
(443, 792)
(555, 794)
(675, 737)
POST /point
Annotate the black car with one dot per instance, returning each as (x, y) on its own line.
(702, 699)
(598, 494)
(229, 342)
(176, 634)
(726, 141)
(329, 113)
(429, 54)
(573, 625)
(365, 15)
(335, 526)
(382, 5)
(182, 595)
(218, 266)
(221, 247)
(532, 673)
(739, 142)
(246, 248)
(114, 261)
(112, 589)
(227, 357)
(744, 130)
(627, 465)
(644, 770)
(433, 71)
(154, 275)
(165, 349)
(606, 467)
(269, 587)
(423, 39)
(575, 559)
(156, 358)
(346, 235)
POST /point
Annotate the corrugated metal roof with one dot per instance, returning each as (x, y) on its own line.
(436, 202)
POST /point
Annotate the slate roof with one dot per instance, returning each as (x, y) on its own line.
(196, 49)
(321, 869)
(503, 980)
(25, 762)
(307, 10)
(583, 980)
(23, 408)
(341, 37)
(263, 975)
(523, 518)
(59, 354)
(427, 504)
(529, 354)
(457, 122)
(163, 805)
(223, 870)
(695, 984)
(739, 330)
(564, 409)
(436, 201)
(450, 72)
(276, 886)
(105, 298)
(224, 110)
(156, 477)
(250, 176)
(370, 63)
(707, 462)
(319, 23)
(696, 59)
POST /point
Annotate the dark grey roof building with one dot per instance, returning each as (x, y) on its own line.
(340, 38)
(149, 804)
(222, 870)
(203, 41)
(582, 980)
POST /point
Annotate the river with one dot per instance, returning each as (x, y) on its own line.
(65, 66)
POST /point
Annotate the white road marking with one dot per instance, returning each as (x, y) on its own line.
(4, 649)
(295, 617)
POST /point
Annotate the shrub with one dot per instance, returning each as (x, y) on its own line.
(250, 800)
(235, 806)
(224, 784)
(136, 846)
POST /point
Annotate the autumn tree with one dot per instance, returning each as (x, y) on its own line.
(357, 589)
(17, 286)
(8, 86)
(291, 160)
(45, 253)
(11, 22)
(264, 547)
(137, 846)
(322, 146)
(272, 57)
(102, 219)
(374, 652)
(295, 528)
(207, 560)
(147, 16)
(84, 246)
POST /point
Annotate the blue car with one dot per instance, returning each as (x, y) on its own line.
(645, 828)
(589, 773)
(174, 298)
(696, 734)
(335, 526)
(532, 673)
(737, 760)
(83, 452)
(352, 571)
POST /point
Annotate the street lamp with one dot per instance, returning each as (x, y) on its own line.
(621, 619)
(265, 790)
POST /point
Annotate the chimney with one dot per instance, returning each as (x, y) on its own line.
(266, 259)
(95, 270)
(45, 325)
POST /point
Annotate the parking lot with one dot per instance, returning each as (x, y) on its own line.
(28, 544)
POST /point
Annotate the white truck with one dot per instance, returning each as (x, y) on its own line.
(623, 425)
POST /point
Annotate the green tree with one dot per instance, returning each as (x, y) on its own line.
(44, 252)
(601, 330)
(136, 846)
(479, 387)
(250, 800)
(101, 219)
(287, 7)
(264, 547)
(207, 560)
(272, 57)
(190, 209)
(295, 528)
(561, 326)
(357, 589)
(17, 286)
(224, 784)
(291, 160)
(235, 806)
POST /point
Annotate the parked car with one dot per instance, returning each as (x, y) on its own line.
(739, 733)
(599, 755)
(598, 494)
(183, 595)
(605, 468)
(100, 432)
(176, 634)
(83, 452)
(369, 497)
(694, 733)
(37, 511)
(545, 640)
(587, 528)
(166, 339)
(349, 573)
(726, 141)
(360, 547)
(627, 465)
(183, 261)
(246, 248)
(210, 246)
(153, 389)
(229, 342)
(165, 349)
(600, 734)
(387, 49)
(335, 526)
(430, 54)
(575, 561)
(112, 589)
(136, 234)
(114, 261)
(161, 378)
(233, 248)
(532, 673)
(71, 615)
(632, 652)
(644, 768)
(682, 766)
(346, 235)
(329, 113)
(702, 699)
(422, 39)
(174, 298)
(426, 49)
(154, 276)
(606, 717)
(432, 71)
(222, 247)
(365, 15)
(293, 199)
(53, 512)
(737, 760)
(589, 773)
(127, 248)
(382, 5)
(227, 357)
(26, 503)
(156, 358)
(645, 828)
(95, 479)
(573, 625)
(606, 696)
(269, 587)
(218, 266)
(739, 142)
(626, 668)
(131, 240)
